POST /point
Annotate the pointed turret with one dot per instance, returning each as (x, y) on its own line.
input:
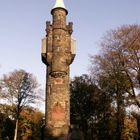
(59, 4)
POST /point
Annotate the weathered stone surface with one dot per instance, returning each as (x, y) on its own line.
(58, 57)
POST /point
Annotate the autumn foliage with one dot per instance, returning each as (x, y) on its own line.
(105, 103)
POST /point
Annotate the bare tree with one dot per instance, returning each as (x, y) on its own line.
(19, 89)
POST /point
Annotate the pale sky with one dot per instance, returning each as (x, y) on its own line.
(22, 26)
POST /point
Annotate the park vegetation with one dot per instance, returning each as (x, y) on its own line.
(104, 104)
(18, 119)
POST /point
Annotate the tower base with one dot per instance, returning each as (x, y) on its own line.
(61, 133)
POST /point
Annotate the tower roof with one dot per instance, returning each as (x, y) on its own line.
(59, 4)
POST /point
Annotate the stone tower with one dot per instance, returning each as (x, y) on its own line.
(58, 52)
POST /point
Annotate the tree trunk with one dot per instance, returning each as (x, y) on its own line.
(138, 126)
(120, 115)
(16, 130)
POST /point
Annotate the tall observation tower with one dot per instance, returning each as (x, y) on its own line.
(58, 52)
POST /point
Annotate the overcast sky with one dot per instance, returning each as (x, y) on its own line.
(22, 26)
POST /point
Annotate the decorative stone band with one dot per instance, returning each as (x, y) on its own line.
(58, 74)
